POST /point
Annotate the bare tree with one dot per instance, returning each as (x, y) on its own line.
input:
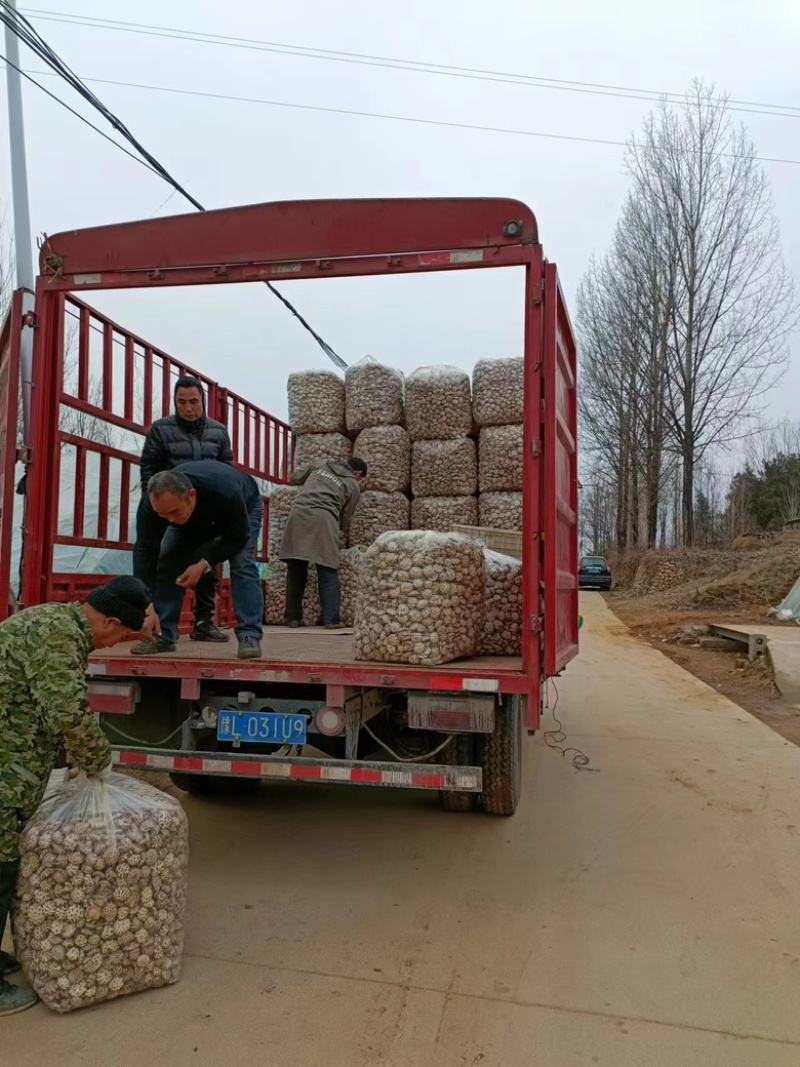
(731, 300)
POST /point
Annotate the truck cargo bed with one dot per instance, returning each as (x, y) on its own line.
(309, 655)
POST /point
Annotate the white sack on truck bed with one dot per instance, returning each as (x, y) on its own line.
(497, 391)
(350, 564)
(374, 395)
(443, 512)
(420, 599)
(316, 402)
(501, 633)
(311, 447)
(386, 450)
(500, 511)
(375, 514)
(101, 892)
(438, 403)
(275, 596)
(444, 468)
(280, 504)
(500, 459)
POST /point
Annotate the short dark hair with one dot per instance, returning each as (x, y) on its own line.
(169, 482)
(189, 381)
(356, 464)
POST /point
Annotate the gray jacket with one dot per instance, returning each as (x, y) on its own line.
(323, 507)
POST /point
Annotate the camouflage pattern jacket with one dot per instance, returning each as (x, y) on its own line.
(44, 652)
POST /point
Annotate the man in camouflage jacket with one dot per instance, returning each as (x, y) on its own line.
(44, 653)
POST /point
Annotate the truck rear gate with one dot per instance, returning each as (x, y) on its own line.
(90, 373)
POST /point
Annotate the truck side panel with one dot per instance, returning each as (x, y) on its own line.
(9, 407)
(560, 485)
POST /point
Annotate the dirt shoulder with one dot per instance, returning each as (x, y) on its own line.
(750, 685)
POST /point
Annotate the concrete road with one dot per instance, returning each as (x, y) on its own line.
(642, 916)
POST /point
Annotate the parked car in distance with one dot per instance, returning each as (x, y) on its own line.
(594, 573)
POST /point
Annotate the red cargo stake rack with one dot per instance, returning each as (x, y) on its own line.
(97, 387)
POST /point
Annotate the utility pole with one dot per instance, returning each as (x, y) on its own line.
(23, 244)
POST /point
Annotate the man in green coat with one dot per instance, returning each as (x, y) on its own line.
(44, 653)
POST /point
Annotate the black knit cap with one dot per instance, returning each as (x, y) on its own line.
(124, 598)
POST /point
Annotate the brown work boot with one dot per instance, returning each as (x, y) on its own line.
(205, 630)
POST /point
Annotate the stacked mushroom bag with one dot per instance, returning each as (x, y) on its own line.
(100, 898)
(374, 412)
(444, 467)
(501, 631)
(420, 599)
(497, 389)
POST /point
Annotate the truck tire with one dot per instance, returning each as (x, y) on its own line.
(460, 752)
(501, 759)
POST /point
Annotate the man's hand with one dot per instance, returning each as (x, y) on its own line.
(152, 625)
(192, 575)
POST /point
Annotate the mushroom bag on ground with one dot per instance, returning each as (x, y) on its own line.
(375, 514)
(313, 447)
(501, 634)
(374, 395)
(386, 450)
(316, 402)
(444, 468)
(443, 512)
(420, 599)
(497, 391)
(438, 403)
(101, 892)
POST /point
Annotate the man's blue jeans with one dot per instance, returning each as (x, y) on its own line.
(248, 595)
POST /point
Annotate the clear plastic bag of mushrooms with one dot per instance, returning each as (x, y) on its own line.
(101, 893)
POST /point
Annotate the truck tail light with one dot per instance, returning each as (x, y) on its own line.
(451, 713)
(113, 698)
(330, 721)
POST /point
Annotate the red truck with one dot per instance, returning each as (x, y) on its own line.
(96, 387)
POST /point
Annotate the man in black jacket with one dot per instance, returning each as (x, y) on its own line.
(187, 435)
(215, 514)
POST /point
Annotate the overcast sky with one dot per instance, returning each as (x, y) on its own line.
(230, 153)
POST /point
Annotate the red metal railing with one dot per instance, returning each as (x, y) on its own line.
(99, 388)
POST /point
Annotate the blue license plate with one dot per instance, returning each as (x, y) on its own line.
(261, 726)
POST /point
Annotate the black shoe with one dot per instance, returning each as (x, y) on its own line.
(294, 624)
(154, 648)
(205, 630)
(8, 965)
(14, 998)
(249, 648)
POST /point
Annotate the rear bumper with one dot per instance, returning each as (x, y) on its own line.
(595, 583)
(300, 768)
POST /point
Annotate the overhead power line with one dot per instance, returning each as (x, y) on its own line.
(410, 65)
(386, 116)
(22, 28)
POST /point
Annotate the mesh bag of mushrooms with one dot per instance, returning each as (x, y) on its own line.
(350, 563)
(497, 394)
(443, 512)
(500, 450)
(374, 395)
(501, 634)
(101, 892)
(275, 596)
(387, 452)
(312, 447)
(438, 403)
(280, 504)
(420, 599)
(375, 514)
(444, 468)
(316, 402)
(500, 511)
